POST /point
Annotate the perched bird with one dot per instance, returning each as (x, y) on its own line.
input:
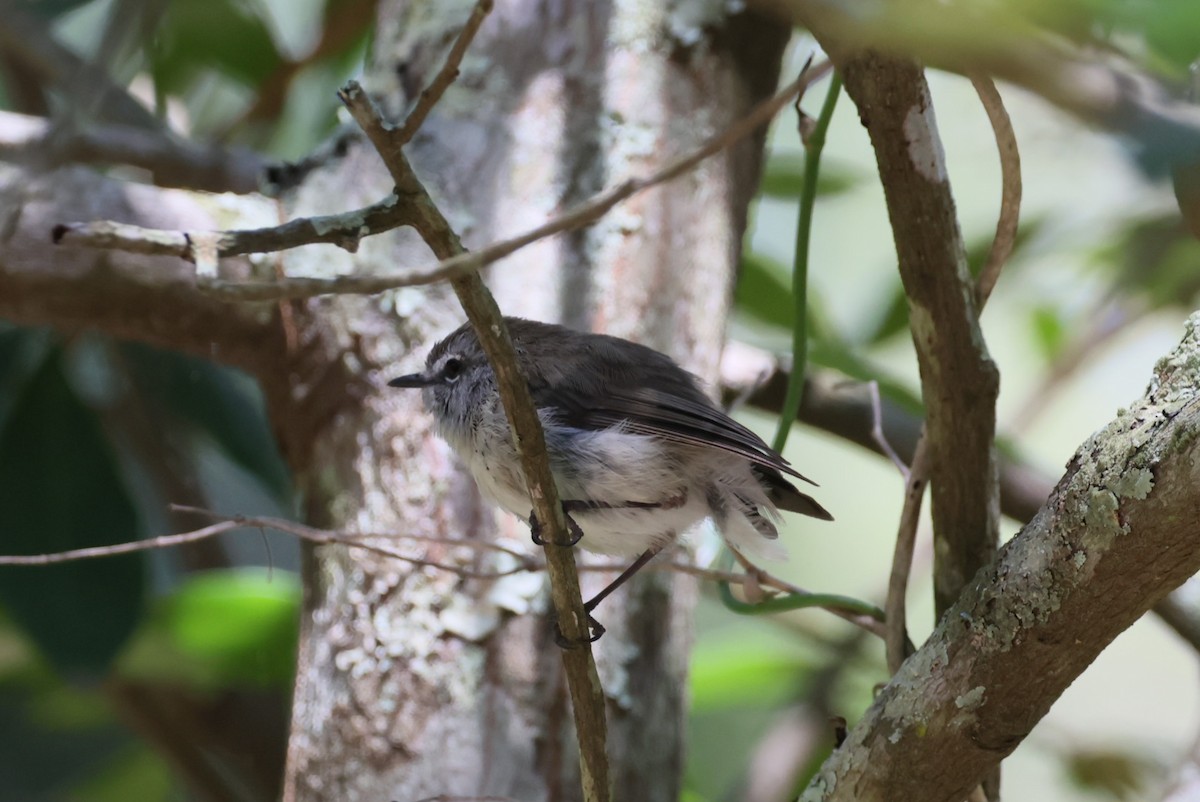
(639, 454)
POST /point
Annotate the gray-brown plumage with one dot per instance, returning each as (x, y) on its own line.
(638, 452)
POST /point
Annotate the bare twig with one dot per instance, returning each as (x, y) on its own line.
(321, 537)
(171, 161)
(148, 544)
(877, 432)
(374, 543)
(571, 618)
(1010, 188)
(302, 531)
(902, 556)
(446, 76)
(339, 228)
(344, 230)
(918, 473)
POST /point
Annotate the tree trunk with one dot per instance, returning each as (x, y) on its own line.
(415, 682)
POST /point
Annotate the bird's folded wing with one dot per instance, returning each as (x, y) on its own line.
(674, 416)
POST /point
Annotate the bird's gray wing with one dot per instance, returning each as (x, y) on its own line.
(680, 414)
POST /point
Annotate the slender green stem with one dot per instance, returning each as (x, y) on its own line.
(814, 144)
(797, 601)
(808, 197)
(791, 601)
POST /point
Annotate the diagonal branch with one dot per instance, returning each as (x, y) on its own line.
(587, 694)
(446, 75)
(1115, 537)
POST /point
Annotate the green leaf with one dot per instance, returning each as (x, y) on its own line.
(62, 490)
(198, 37)
(783, 176)
(724, 676)
(894, 319)
(1049, 331)
(135, 772)
(1111, 773)
(1172, 29)
(218, 401)
(764, 290)
(221, 628)
(21, 351)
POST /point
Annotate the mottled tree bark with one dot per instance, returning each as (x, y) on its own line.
(395, 696)
(1114, 538)
(417, 682)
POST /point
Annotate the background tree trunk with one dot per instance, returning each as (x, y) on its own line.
(414, 683)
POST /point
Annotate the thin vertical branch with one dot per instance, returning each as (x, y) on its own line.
(918, 473)
(896, 605)
(584, 683)
(446, 76)
(1010, 188)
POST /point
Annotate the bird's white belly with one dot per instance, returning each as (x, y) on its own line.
(609, 467)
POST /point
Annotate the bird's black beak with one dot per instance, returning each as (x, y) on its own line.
(412, 380)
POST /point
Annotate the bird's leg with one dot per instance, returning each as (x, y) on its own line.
(645, 557)
(579, 505)
(595, 628)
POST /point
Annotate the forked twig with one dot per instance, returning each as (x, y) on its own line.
(918, 473)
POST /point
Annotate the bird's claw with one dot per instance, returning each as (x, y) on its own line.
(535, 530)
(595, 631)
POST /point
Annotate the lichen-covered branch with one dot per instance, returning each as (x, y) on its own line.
(1116, 536)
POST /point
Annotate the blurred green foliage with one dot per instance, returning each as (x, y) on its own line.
(1165, 32)
(245, 71)
(63, 491)
(187, 637)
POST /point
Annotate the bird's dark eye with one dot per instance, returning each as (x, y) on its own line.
(452, 369)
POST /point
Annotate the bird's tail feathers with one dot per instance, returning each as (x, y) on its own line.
(744, 534)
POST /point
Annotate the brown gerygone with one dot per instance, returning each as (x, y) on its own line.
(639, 454)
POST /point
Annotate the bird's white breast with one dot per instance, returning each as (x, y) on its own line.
(610, 466)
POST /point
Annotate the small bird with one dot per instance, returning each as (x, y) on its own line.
(638, 452)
